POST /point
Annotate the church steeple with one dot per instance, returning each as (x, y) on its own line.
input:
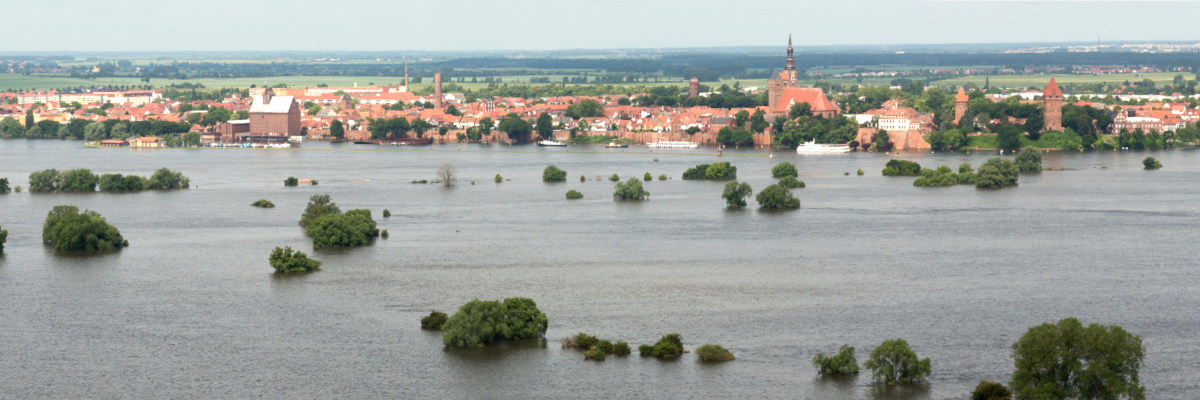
(790, 68)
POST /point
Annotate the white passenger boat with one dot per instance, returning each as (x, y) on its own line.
(551, 143)
(815, 148)
(667, 144)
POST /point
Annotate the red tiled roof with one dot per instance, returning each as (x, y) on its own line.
(1052, 89)
(961, 96)
(815, 97)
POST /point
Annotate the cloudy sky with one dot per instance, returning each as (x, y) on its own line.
(170, 25)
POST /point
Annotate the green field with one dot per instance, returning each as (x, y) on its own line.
(1025, 81)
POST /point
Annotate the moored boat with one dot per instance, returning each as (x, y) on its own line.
(811, 147)
(551, 143)
(615, 145)
(667, 144)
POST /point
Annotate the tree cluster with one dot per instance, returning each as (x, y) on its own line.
(553, 174)
(901, 168)
(83, 180)
(480, 323)
(67, 229)
(284, 260)
(996, 173)
(894, 363)
(669, 346)
(944, 176)
(352, 228)
(715, 171)
(1066, 360)
(594, 347)
(630, 190)
(841, 363)
(713, 353)
(776, 197)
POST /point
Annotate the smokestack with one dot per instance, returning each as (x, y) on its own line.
(437, 90)
(406, 77)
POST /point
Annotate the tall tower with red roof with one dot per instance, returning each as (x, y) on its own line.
(694, 87)
(960, 105)
(1052, 99)
(785, 80)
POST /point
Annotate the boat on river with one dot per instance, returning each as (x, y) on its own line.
(615, 145)
(551, 143)
(668, 144)
(810, 147)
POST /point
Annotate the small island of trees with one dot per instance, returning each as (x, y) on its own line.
(669, 346)
(83, 180)
(776, 197)
(263, 203)
(67, 229)
(480, 323)
(996, 173)
(329, 227)
(285, 260)
(630, 190)
(718, 171)
(894, 363)
(713, 353)
(901, 168)
(842, 363)
(553, 174)
(595, 348)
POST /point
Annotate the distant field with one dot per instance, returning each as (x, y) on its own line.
(1024, 81)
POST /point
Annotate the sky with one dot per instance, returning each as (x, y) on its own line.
(399, 25)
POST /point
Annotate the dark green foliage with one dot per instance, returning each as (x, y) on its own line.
(720, 171)
(3, 238)
(434, 320)
(4, 189)
(621, 348)
(630, 190)
(964, 168)
(77, 180)
(614, 178)
(735, 137)
(944, 176)
(387, 213)
(582, 178)
(1029, 160)
(894, 363)
(693, 173)
(384, 234)
(574, 194)
(553, 174)
(860, 172)
(841, 363)
(947, 140)
(263, 203)
(121, 183)
(777, 197)
(319, 205)
(420, 181)
(1151, 163)
(784, 169)
(353, 228)
(713, 353)
(670, 346)
(735, 194)
(68, 229)
(662, 177)
(479, 323)
(1065, 360)
(284, 260)
(988, 390)
(499, 178)
(291, 181)
(707, 171)
(43, 181)
(647, 177)
(790, 182)
(1008, 136)
(901, 168)
(996, 173)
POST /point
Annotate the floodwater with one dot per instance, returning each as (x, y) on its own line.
(193, 310)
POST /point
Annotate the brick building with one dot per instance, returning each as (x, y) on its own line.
(1052, 99)
(272, 116)
(783, 92)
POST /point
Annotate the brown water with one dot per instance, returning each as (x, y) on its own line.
(192, 309)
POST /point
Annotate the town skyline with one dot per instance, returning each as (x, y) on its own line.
(520, 25)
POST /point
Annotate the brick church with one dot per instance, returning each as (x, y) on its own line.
(784, 91)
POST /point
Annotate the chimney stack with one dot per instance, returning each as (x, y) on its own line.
(437, 90)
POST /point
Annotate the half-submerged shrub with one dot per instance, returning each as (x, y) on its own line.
(996, 173)
(860, 172)
(318, 206)
(166, 179)
(387, 213)
(670, 346)
(4, 189)
(901, 168)
(553, 174)
(1151, 163)
(1029, 160)
(614, 178)
(263, 203)
(68, 229)
(784, 169)
(713, 353)
(839, 364)
(3, 238)
(630, 190)
(790, 182)
(944, 176)
(647, 177)
(353, 228)
(285, 260)
(574, 194)
(480, 323)
(499, 178)
(662, 177)
(595, 348)
(594, 354)
(777, 197)
(988, 390)
(122, 183)
(894, 363)
(724, 171)
(291, 181)
(735, 194)
(434, 320)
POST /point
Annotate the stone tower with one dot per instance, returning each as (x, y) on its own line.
(1052, 99)
(437, 90)
(790, 67)
(694, 87)
(960, 105)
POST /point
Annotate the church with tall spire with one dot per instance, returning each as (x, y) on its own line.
(784, 90)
